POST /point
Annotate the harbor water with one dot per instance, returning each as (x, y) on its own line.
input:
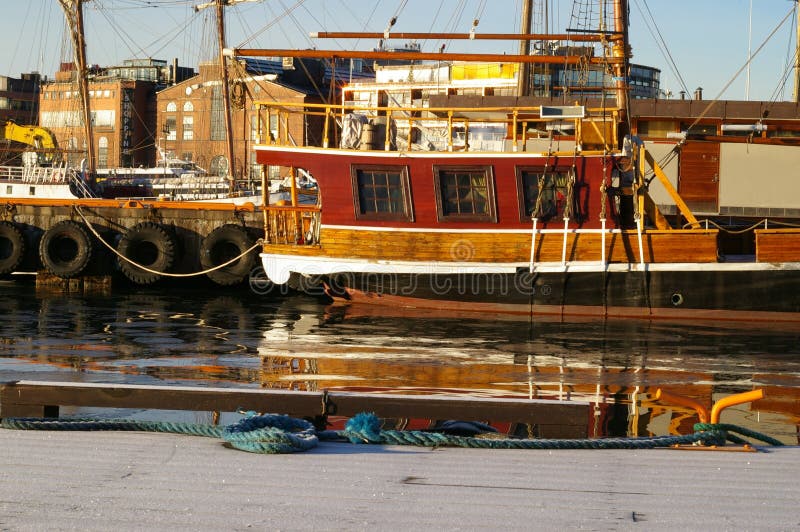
(239, 338)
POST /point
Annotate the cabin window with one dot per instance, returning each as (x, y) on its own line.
(382, 193)
(464, 194)
(656, 128)
(554, 190)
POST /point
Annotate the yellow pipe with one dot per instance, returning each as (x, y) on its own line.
(702, 411)
(735, 399)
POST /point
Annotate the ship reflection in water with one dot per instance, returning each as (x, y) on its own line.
(298, 342)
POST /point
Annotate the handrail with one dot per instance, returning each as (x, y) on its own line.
(439, 125)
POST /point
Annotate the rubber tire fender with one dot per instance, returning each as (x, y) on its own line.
(66, 249)
(150, 245)
(12, 247)
(221, 245)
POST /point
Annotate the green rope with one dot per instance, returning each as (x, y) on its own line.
(272, 433)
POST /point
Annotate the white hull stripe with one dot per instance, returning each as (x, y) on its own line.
(279, 267)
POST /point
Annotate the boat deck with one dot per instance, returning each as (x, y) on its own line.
(140, 481)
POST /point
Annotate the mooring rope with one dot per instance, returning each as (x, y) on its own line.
(273, 434)
(225, 264)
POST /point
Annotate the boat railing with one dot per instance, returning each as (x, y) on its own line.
(285, 224)
(387, 128)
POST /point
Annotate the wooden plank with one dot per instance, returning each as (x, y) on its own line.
(18, 396)
(41, 399)
(777, 245)
(534, 411)
(697, 245)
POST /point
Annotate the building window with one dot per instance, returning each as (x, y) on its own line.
(102, 152)
(382, 193)
(464, 194)
(188, 128)
(217, 115)
(219, 166)
(554, 189)
(172, 107)
(171, 128)
(188, 107)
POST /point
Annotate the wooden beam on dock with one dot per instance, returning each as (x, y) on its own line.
(553, 419)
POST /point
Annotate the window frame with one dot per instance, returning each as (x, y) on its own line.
(405, 186)
(537, 170)
(491, 201)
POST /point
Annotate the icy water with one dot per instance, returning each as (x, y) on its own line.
(213, 337)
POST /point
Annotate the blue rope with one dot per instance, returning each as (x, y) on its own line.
(272, 433)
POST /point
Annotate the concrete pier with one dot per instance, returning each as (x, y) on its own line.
(139, 481)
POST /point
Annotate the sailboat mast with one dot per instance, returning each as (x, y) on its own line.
(226, 95)
(523, 80)
(621, 51)
(797, 55)
(73, 11)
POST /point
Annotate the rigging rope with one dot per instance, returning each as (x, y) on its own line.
(736, 75)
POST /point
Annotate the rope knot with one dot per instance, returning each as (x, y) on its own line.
(363, 428)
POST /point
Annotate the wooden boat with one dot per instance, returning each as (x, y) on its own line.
(520, 229)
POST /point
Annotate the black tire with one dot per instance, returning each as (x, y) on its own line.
(66, 249)
(223, 244)
(150, 245)
(12, 247)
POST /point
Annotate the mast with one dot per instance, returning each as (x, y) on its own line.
(620, 52)
(797, 56)
(223, 63)
(226, 95)
(73, 11)
(523, 81)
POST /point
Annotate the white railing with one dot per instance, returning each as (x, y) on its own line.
(46, 175)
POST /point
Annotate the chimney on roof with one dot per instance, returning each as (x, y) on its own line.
(698, 93)
(683, 95)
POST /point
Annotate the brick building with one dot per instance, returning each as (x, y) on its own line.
(191, 121)
(122, 102)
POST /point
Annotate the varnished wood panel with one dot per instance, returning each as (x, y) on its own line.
(659, 246)
(699, 175)
(777, 245)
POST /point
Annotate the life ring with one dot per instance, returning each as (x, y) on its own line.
(150, 245)
(12, 247)
(223, 244)
(65, 249)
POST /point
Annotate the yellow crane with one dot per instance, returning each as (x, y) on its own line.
(42, 139)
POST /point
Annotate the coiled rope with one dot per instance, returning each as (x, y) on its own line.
(273, 434)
